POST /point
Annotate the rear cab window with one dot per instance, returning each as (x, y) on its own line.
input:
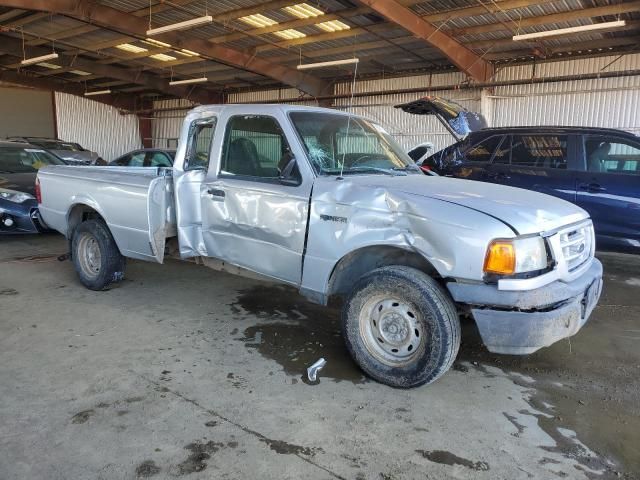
(199, 142)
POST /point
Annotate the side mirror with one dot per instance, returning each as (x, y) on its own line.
(288, 173)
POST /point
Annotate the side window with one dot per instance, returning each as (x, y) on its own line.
(137, 159)
(199, 144)
(417, 153)
(158, 159)
(544, 151)
(122, 161)
(611, 155)
(254, 146)
(483, 151)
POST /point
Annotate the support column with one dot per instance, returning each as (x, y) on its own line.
(487, 104)
(145, 126)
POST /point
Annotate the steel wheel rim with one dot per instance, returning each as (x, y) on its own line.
(391, 330)
(89, 255)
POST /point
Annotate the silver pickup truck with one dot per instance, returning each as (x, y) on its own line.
(327, 202)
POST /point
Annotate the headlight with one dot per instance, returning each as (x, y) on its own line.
(518, 255)
(13, 196)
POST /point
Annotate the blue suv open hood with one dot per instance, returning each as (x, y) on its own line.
(457, 119)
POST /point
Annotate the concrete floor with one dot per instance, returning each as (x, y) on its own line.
(183, 371)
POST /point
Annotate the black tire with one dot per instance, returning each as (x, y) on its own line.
(106, 269)
(435, 316)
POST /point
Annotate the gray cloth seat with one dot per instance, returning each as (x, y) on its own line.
(243, 158)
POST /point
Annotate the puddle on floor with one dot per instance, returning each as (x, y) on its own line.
(296, 333)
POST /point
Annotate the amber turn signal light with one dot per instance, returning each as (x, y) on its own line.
(501, 258)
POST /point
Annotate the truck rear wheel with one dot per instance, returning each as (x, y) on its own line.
(95, 255)
(401, 327)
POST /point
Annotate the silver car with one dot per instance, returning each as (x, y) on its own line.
(72, 153)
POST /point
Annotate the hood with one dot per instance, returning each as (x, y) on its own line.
(86, 158)
(526, 212)
(457, 119)
(20, 182)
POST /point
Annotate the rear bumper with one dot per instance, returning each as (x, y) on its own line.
(521, 322)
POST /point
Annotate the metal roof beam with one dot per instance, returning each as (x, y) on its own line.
(128, 24)
(13, 46)
(572, 15)
(122, 101)
(463, 58)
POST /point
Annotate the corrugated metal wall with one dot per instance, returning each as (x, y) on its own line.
(165, 125)
(605, 102)
(96, 126)
(599, 102)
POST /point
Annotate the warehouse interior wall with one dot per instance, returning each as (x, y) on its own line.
(26, 112)
(612, 102)
(96, 126)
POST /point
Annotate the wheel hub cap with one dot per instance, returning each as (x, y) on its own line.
(391, 330)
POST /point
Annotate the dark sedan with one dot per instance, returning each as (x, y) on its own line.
(146, 157)
(19, 165)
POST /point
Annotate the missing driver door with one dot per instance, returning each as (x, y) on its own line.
(189, 176)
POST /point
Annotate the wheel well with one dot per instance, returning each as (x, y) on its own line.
(359, 262)
(78, 214)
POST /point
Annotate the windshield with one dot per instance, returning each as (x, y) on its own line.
(57, 145)
(334, 141)
(25, 160)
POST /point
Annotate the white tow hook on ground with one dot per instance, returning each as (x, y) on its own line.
(312, 371)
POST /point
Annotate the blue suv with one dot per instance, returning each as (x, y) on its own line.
(595, 168)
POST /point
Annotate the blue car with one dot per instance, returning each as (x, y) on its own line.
(595, 168)
(19, 164)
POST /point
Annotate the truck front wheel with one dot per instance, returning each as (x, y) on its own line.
(95, 255)
(401, 327)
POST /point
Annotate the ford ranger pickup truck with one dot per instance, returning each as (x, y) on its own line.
(326, 201)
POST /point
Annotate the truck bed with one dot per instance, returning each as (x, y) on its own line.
(135, 202)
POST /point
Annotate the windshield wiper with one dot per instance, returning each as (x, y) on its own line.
(6, 171)
(386, 171)
(407, 168)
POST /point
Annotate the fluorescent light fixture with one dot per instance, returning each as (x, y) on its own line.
(97, 92)
(162, 57)
(570, 30)
(42, 58)
(258, 20)
(157, 43)
(79, 72)
(308, 66)
(127, 47)
(194, 22)
(333, 26)
(189, 53)
(189, 80)
(303, 10)
(52, 66)
(290, 34)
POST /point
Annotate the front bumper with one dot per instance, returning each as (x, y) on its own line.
(521, 322)
(20, 218)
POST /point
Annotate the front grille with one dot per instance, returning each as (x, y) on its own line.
(577, 245)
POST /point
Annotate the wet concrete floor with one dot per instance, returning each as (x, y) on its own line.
(182, 371)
